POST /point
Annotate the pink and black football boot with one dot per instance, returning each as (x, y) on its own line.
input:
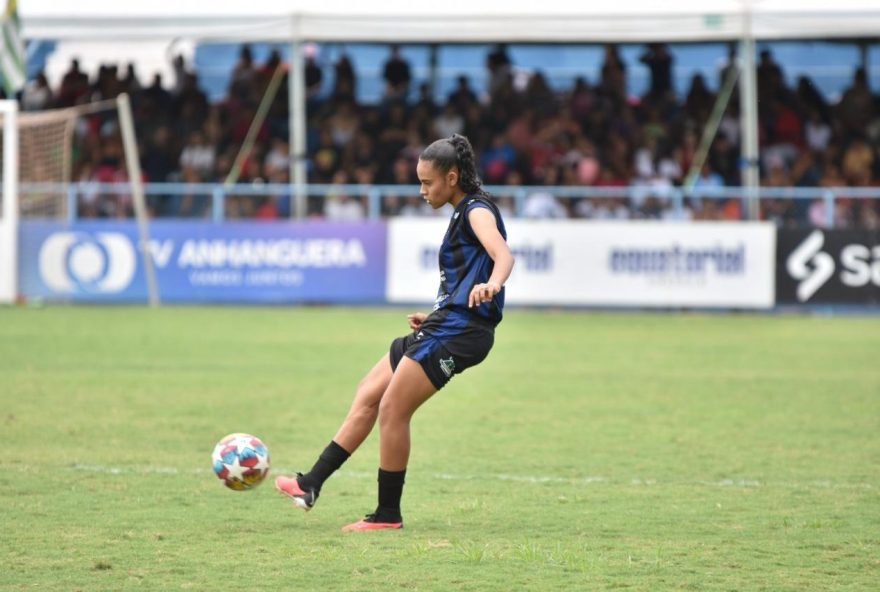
(372, 522)
(302, 498)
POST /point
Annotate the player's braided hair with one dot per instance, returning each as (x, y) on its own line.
(456, 151)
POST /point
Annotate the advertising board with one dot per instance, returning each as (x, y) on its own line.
(586, 263)
(205, 262)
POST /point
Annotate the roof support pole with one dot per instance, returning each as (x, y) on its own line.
(748, 100)
(298, 121)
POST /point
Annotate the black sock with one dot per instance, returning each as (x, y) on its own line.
(390, 490)
(329, 460)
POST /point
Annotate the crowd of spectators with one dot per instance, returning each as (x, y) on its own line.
(593, 134)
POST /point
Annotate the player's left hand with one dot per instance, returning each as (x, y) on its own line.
(483, 293)
(416, 319)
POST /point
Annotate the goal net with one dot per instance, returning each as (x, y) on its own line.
(43, 176)
(46, 158)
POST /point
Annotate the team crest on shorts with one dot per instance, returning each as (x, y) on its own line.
(448, 366)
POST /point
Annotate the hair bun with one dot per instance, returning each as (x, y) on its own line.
(456, 150)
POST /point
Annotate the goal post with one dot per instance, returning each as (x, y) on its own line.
(9, 209)
(37, 155)
(133, 166)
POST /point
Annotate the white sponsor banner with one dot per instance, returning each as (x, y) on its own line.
(587, 263)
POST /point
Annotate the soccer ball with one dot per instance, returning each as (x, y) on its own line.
(241, 461)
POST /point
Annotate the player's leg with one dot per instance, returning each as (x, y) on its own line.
(365, 408)
(305, 488)
(408, 389)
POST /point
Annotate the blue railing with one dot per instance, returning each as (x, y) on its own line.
(673, 198)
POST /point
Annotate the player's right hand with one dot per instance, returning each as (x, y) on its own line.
(415, 319)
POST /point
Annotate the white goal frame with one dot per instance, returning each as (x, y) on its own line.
(9, 214)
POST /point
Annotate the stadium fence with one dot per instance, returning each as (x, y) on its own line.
(674, 199)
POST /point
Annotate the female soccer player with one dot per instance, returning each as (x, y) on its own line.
(475, 261)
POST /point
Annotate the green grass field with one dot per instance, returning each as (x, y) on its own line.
(590, 451)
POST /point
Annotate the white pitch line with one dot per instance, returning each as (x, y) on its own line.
(537, 479)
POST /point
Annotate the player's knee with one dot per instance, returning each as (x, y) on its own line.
(369, 393)
(392, 412)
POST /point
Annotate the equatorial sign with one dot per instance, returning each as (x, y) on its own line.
(585, 263)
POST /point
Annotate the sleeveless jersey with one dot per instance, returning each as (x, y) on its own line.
(463, 264)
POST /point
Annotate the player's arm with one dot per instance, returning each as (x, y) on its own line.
(482, 222)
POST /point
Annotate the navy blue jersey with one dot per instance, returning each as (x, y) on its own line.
(464, 263)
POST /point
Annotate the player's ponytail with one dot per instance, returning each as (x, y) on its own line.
(456, 151)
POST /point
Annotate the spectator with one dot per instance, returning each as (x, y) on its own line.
(191, 203)
(858, 163)
(314, 76)
(277, 158)
(325, 159)
(809, 98)
(707, 191)
(74, 86)
(543, 204)
(180, 72)
(730, 65)
(463, 96)
(613, 83)
(856, 107)
(36, 94)
(700, 100)
(769, 77)
(498, 66)
(425, 101)
(817, 132)
(343, 124)
(360, 154)
(198, 155)
(730, 124)
(783, 137)
(581, 99)
(659, 61)
(130, 83)
(539, 97)
(340, 206)
(191, 105)
(415, 206)
(244, 74)
(344, 81)
(448, 122)
(267, 71)
(107, 85)
(157, 97)
(395, 135)
(498, 159)
(724, 158)
(159, 162)
(397, 75)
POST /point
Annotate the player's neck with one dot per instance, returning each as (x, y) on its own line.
(457, 199)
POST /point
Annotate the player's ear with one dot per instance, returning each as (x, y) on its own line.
(452, 177)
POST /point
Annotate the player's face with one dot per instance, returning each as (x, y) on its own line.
(437, 188)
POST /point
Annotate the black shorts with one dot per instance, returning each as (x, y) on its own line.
(442, 359)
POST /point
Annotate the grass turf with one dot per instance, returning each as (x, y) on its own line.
(590, 451)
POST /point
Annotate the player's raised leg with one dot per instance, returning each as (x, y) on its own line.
(305, 488)
(408, 389)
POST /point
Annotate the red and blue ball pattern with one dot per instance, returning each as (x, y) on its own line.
(241, 461)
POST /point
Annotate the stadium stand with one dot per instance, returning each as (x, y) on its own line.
(593, 133)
